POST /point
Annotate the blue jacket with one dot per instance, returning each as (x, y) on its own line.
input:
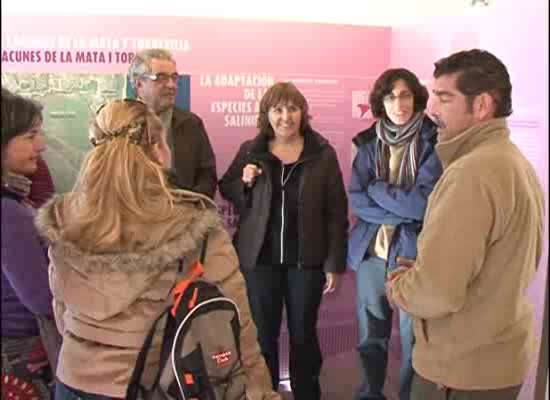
(375, 202)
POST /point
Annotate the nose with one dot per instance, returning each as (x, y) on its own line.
(172, 83)
(40, 143)
(431, 107)
(285, 115)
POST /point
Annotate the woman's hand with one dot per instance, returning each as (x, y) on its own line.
(250, 172)
(333, 280)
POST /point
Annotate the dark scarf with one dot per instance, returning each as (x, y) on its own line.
(388, 134)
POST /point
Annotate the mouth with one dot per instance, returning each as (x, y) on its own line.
(438, 123)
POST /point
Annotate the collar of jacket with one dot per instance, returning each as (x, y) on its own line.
(428, 132)
(179, 117)
(8, 193)
(451, 150)
(314, 143)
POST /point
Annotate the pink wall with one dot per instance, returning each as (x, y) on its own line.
(518, 35)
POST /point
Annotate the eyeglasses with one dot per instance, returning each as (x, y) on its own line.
(391, 98)
(162, 78)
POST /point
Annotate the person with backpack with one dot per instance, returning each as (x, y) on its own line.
(26, 297)
(287, 187)
(120, 241)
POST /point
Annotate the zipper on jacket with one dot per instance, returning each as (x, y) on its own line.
(300, 217)
(282, 211)
(283, 183)
(390, 245)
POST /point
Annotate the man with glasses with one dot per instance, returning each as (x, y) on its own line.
(154, 77)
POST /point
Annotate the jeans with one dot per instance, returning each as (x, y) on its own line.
(423, 389)
(300, 291)
(374, 321)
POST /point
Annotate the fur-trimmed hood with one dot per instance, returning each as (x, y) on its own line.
(194, 216)
(102, 285)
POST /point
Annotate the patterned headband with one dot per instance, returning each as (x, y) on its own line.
(134, 131)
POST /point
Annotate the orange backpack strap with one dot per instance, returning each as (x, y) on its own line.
(197, 270)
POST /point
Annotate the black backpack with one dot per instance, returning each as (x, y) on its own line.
(200, 356)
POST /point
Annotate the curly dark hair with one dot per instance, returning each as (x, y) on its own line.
(19, 114)
(479, 72)
(282, 92)
(384, 85)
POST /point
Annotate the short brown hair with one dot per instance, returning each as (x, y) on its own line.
(384, 85)
(19, 114)
(282, 92)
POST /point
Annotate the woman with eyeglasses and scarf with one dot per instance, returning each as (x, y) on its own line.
(119, 242)
(26, 296)
(394, 172)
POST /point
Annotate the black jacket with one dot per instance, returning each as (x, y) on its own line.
(322, 204)
(194, 161)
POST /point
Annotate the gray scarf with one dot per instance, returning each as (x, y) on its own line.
(388, 134)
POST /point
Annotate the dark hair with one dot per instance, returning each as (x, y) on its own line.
(6, 92)
(479, 72)
(282, 92)
(19, 114)
(384, 86)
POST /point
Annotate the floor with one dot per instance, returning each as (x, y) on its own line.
(341, 375)
(337, 331)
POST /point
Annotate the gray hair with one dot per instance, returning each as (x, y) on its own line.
(141, 63)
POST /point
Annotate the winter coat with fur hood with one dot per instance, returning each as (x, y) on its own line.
(105, 304)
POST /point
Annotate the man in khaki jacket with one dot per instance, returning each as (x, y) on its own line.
(480, 246)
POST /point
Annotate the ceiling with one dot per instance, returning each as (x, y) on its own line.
(353, 12)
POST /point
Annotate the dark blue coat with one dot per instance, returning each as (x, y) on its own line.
(375, 202)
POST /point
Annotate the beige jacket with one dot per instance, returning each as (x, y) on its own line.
(477, 254)
(104, 304)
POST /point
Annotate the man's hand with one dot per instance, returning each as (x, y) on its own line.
(404, 264)
(396, 273)
(333, 280)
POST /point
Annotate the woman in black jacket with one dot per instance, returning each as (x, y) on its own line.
(287, 188)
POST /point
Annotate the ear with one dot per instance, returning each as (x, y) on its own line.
(137, 84)
(484, 107)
